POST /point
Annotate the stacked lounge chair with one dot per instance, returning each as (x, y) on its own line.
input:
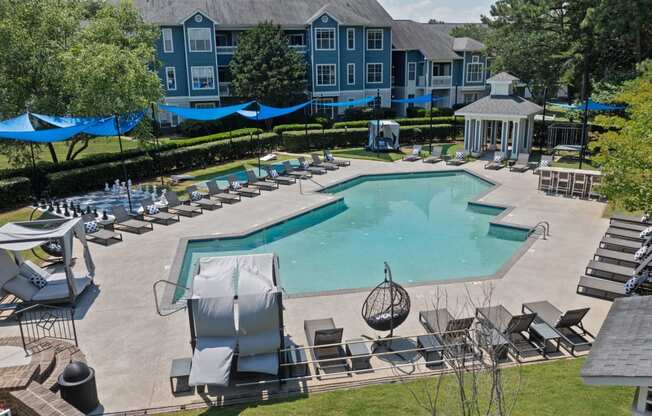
(237, 188)
(435, 155)
(160, 217)
(317, 162)
(328, 157)
(222, 195)
(496, 322)
(415, 155)
(312, 169)
(567, 324)
(521, 164)
(202, 200)
(253, 180)
(175, 206)
(274, 176)
(497, 162)
(124, 221)
(325, 340)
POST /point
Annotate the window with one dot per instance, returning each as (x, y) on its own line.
(474, 72)
(204, 105)
(350, 74)
(374, 73)
(224, 74)
(412, 71)
(441, 70)
(327, 111)
(475, 59)
(375, 39)
(168, 43)
(222, 40)
(171, 78)
(325, 39)
(350, 39)
(199, 39)
(326, 75)
(203, 77)
(296, 39)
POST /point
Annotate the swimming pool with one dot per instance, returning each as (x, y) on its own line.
(421, 224)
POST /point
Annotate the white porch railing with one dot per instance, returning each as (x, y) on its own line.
(441, 81)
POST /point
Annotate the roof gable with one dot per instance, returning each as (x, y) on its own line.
(433, 44)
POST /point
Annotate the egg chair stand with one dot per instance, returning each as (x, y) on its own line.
(386, 307)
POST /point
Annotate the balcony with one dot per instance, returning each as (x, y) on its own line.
(225, 89)
(444, 81)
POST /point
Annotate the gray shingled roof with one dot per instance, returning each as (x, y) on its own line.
(503, 76)
(508, 105)
(251, 12)
(434, 44)
(467, 45)
(623, 348)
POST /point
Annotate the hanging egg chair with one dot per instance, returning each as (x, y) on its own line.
(387, 306)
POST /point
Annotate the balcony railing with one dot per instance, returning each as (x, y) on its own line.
(225, 89)
(441, 81)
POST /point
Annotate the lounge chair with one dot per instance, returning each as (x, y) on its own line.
(545, 161)
(296, 173)
(567, 324)
(222, 195)
(497, 162)
(175, 206)
(513, 328)
(453, 334)
(201, 200)
(600, 288)
(521, 164)
(312, 169)
(634, 219)
(274, 176)
(629, 225)
(459, 159)
(126, 222)
(617, 257)
(624, 234)
(328, 157)
(317, 162)
(236, 187)
(628, 246)
(99, 235)
(415, 155)
(160, 217)
(323, 332)
(616, 272)
(435, 155)
(254, 181)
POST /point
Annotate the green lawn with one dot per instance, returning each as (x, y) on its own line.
(361, 153)
(548, 389)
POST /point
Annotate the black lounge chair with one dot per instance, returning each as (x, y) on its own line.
(624, 234)
(435, 155)
(453, 334)
(222, 195)
(515, 330)
(415, 155)
(617, 257)
(459, 158)
(323, 332)
(600, 288)
(126, 222)
(175, 206)
(634, 219)
(628, 225)
(101, 235)
(616, 272)
(497, 162)
(236, 187)
(203, 201)
(254, 181)
(312, 169)
(294, 172)
(628, 246)
(567, 324)
(274, 176)
(521, 164)
(317, 162)
(161, 217)
(328, 157)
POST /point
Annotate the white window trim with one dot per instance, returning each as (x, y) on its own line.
(192, 76)
(325, 29)
(167, 79)
(350, 30)
(303, 40)
(475, 59)
(317, 75)
(382, 39)
(382, 74)
(413, 65)
(163, 32)
(210, 40)
(466, 78)
(348, 72)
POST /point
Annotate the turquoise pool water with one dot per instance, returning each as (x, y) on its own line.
(421, 224)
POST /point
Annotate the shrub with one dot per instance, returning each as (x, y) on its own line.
(194, 128)
(402, 122)
(14, 192)
(296, 141)
(414, 112)
(282, 128)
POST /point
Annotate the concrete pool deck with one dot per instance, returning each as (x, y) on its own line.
(131, 347)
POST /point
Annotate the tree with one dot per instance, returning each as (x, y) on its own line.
(475, 31)
(625, 152)
(265, 67)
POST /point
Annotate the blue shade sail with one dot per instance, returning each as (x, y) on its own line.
(418, 100)
(96, 126)
(266, 112)
(20, 123)
(205, 114)
(363, 101)
(593, 106)
(44, 136)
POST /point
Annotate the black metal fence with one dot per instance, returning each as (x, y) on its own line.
(39, 322)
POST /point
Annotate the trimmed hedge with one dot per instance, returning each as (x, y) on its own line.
(416, 112)
(282, 128)
(14, 192)
(402, 122)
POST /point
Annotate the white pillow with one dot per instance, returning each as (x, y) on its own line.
(640, 253)
(195, 195)
(646, 232)
(545, 163)
(91, 227)
(459, 155)
(235, 185)
(36, 278)
(151, 209)
(498, 158)
(273, 173)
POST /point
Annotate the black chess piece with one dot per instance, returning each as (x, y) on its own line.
(105, 215)
(88, 209)
(95, 214)
(66, 212)
(35, 202)
(50, 206)
(58, 208)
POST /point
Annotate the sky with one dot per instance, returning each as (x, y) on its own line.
(451, 11)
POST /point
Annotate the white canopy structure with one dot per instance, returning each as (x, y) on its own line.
(20, 236)
(383, 135)
(501, 121)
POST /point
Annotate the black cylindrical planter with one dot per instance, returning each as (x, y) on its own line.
(77, 387)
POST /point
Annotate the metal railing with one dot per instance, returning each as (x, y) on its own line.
(544, 226)
(37, 322)
(306, 178)
(159, 310)
(442, 81)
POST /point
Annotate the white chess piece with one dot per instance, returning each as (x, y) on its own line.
(106, 187)
(164, 199)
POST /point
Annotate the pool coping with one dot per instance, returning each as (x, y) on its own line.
(498, 220)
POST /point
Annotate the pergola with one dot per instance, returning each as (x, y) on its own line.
(501, 121)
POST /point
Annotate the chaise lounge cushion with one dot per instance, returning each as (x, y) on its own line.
(8, 268)
(21, 287)
(211, 361)
(57, 288)
(260, 363)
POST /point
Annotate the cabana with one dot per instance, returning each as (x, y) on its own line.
(501, 121)
(383, 135)
(18, 276)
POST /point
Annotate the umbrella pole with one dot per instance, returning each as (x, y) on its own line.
(585, 122)
(124, 167)
(157, 123)
(34, 185)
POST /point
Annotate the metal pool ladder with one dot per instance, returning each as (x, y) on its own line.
(544, 226)
(308, 179)
(159, 310)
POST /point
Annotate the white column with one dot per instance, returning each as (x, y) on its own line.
(494, 132)
(467, 133)
(503, 137)
(530, 133)
(478, 136)
(516, 143)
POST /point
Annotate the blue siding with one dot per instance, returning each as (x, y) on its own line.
(351, 57)
(175, 59)
(468, 56)
(326, 57)
(201, 58)
(383, 57)
(458, 71)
